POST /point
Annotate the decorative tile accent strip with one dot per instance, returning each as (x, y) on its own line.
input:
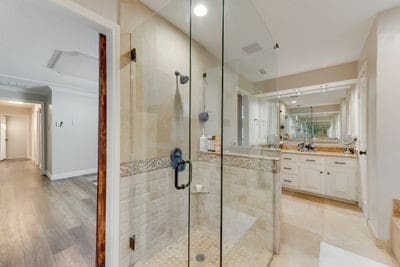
(253, 162)
(207, 157)
(250, 163)
(143, 166)
(126, 169)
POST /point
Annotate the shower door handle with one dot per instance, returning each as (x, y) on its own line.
(183, 186)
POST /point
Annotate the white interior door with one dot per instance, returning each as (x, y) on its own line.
(17, 137)
(363, 167)
(3, 147)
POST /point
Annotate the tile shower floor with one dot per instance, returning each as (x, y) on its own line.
(244, 252)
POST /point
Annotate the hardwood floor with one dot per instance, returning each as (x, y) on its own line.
(45, 223)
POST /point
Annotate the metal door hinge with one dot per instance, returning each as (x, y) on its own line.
(132, 242)
(133, 54)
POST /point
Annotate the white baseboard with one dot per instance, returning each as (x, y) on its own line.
(65, 175)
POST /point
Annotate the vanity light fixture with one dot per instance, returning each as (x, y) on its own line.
(294, 102)
(200, 10)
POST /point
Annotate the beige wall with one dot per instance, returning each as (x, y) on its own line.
(336, 73)
(158, 111)
(10, 110)
(153, 111)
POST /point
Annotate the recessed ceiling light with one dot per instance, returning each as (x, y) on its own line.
(200, 10)
(15, 102)
(294, 102)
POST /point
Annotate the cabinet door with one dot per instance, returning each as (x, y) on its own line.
(340, 182)
(312, 178)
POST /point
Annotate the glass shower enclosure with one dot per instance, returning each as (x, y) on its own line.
(199, 182)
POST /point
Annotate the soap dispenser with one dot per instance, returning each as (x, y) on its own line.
(203, 141)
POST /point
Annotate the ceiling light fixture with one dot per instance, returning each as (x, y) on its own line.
(15, 102)
(294, 102)
(200, 10)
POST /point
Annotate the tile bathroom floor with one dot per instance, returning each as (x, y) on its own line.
(308, 220)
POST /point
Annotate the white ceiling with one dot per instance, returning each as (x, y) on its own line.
(315, 99)
(311, 34)
(31, 32)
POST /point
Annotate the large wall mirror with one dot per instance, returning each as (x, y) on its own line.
(320, 116)
(321, 122)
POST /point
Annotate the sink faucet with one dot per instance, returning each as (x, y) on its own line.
(306, 146)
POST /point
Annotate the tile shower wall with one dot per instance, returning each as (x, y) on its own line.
(248, 194)
(152, 210)
(156, 213)
(154, 119)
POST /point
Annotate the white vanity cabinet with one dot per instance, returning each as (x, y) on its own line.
(330, 176)
(341, 178)
(312, 178)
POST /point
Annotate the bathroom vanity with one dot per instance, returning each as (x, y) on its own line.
(327, 174)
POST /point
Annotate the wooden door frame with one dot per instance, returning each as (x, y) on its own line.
(110, 220)
(102, 155)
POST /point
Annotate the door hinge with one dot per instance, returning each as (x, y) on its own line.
(133, 54)
(132, 241)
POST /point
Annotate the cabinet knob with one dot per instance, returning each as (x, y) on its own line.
(328, 173)
(321, 172)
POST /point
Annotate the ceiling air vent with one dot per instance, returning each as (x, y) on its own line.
(74, 63)
(252, 48)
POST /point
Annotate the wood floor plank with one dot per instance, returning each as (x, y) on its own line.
(44, 223)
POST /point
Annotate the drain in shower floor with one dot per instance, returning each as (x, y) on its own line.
(200, 257)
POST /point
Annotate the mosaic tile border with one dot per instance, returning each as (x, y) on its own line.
(143, 166)
(253, 163)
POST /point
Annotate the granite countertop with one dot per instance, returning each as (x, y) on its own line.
(321, 153)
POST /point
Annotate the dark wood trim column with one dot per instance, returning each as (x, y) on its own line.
(102, 156)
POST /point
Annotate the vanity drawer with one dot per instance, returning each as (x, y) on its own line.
(289, 158)
(341, 162)
(312, 159)
(290, 167)
(289, 180)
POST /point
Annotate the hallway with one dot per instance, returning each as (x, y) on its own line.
(45, 223)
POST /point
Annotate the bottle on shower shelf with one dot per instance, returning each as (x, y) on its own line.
(203, 142)
(211, 143)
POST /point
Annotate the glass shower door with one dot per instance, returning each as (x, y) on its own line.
(155, 135)
(166, 190)
(206, 132)
(190, 196)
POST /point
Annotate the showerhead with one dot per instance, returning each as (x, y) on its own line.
(183, 79)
